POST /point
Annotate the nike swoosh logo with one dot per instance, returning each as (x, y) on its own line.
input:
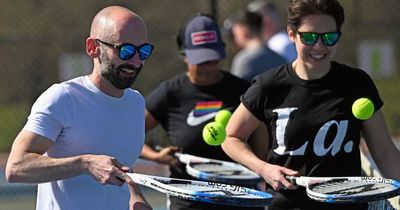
(193, 121)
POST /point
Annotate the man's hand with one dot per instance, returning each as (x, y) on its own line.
(106, 169)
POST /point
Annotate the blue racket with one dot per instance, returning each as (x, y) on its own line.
(207, 169)
(210, 192)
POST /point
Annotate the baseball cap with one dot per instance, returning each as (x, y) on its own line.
(203, 40)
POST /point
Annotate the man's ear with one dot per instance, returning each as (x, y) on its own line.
(92, 49)
(291, 34)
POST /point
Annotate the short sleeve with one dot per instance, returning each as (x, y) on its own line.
(156, 101)
(371, 90)
(254, 99)
(49, 114)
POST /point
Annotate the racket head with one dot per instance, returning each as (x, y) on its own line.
(220, 171)
(353, 189)
(210, 192)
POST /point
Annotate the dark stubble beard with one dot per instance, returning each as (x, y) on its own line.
(112, 73)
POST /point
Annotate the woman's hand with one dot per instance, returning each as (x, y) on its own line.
(166, 156)
(274, 175)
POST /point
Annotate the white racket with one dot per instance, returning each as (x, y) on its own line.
(210, 192)
(347, 189)
(207, 169)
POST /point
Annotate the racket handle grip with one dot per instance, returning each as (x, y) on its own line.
(291, 179)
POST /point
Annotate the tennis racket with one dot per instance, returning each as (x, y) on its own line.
(207, 169)
(347, 189)
(210, 192)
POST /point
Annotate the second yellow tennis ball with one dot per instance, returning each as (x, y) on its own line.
(214, 133)
(223, 117)
(363, 108)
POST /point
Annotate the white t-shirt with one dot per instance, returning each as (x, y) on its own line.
(81, 119)
(280, 43)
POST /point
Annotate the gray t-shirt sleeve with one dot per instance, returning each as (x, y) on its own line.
(48, 116)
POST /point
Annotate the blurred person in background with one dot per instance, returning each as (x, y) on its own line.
(184, 104)
(254, 57)
(307, 108)
(83, 135)
(274, 33)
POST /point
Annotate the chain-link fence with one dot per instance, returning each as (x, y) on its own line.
(43, 42)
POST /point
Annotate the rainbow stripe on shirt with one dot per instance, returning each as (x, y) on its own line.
(205, 107)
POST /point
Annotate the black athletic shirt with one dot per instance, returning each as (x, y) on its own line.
(312, 128)
(183, 109)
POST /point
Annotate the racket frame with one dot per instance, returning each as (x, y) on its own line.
(187, 159)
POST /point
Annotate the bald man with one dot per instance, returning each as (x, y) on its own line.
(83, 135)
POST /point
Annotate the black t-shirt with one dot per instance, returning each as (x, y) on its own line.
(183, 109)
(310, 122)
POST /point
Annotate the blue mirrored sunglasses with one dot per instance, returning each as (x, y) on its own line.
(328, 39)
(127, 50)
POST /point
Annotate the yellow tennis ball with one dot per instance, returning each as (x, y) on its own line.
(363, 108)
(223, 117)
(214, 133)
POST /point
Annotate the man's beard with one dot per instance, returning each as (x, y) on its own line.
(113, 74)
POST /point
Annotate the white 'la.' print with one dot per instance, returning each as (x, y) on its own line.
(319, 141)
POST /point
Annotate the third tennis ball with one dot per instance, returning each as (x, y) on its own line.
(363, 108)
(223, 117)
(214, 133)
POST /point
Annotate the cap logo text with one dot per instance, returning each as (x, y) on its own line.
(204, 37)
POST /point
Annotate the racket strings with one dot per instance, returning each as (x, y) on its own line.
(210, 192)
(219, 196)
(351, 188)
(206, 195)
(220, 169)
(217, 191)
